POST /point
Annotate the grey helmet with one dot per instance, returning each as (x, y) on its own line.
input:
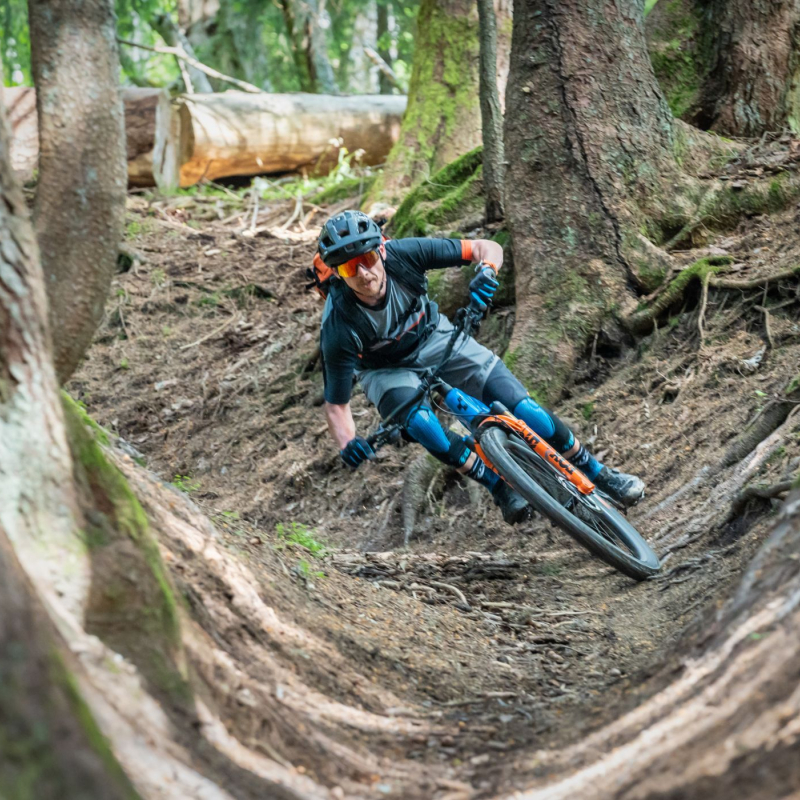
(347, 235)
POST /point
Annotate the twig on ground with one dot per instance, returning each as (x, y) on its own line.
(767, 331)
(730, 283)
(213, 333)
(701, 316)
(453, 590)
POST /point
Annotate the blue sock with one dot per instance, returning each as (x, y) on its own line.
(586, 463)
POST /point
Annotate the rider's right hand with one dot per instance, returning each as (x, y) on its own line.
(357, 450)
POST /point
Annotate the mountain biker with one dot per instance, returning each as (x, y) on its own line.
(379, 323)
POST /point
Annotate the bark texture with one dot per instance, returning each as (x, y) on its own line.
(50, 746)
(491, 115)
(80, 200)
(442, 121)
(753, 59)
(590, 141)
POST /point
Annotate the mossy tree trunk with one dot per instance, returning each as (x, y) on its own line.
(752, 53)
(80, 199)
(590, 144)
(730, 66)
(491, 115)
(442, 120)
(49, 744)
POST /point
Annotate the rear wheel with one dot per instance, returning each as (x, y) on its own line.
(590, 519)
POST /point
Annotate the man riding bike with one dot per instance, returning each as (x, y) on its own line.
(380, 324)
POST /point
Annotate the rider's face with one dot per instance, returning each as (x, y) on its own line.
(368, 281)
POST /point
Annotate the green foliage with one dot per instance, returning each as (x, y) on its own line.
(297, 533)
(15, 43)
(587, 410)
(185, 483)
(676, 54)
(304, 570)
(448, 195)
(246, 39)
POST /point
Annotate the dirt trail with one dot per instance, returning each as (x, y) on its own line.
(481, 645)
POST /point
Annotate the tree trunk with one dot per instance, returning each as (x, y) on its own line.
(51, 745)
(80, 201)
(753, 58)
(152, 135)
(236, 133)
(442, 121)
(491, 116)
(384, 49)
(591, 134)
(309, 46)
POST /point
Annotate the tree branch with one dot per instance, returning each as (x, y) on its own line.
(181, 54)
(384, 68)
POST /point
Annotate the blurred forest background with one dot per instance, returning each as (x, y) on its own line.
(281, 46)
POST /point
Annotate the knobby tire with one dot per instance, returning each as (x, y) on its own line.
(606, 533)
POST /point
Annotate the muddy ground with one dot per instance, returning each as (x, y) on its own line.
(512, 640)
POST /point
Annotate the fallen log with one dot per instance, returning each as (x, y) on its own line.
(152, 127)
(20, 103)
(153, 136)
(236, 133)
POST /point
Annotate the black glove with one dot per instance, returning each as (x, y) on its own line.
(356, 451)
(483, 285)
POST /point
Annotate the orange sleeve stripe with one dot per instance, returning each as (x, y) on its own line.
(466, 250)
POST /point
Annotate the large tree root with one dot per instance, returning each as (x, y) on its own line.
(725, 727)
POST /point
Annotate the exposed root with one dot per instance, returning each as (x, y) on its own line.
(419, 477)
(758, 491)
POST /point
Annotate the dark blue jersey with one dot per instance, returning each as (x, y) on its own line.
(356, 336)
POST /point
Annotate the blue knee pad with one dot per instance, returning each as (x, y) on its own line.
(423, 427)
(532, 414)
(547, 425)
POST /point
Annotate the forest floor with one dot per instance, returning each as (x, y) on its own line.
(499, 643)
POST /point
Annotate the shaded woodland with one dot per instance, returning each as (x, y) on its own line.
(198, 599)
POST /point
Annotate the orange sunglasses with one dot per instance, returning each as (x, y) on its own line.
(350, 268)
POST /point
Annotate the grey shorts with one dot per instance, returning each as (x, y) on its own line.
(468, 368)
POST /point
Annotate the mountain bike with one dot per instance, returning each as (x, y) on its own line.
(551, 485)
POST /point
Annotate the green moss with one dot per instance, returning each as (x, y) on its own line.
(676, 54)
(132, 606)
(79, 409)
(447, 196)
(98, 742)
(443, 92)
(644, 317)
(794, 384)
(346, 187)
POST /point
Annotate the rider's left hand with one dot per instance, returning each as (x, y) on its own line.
(483, 285)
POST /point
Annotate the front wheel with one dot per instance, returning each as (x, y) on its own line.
(589, 519)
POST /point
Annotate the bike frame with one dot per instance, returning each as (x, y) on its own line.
(476, 415)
